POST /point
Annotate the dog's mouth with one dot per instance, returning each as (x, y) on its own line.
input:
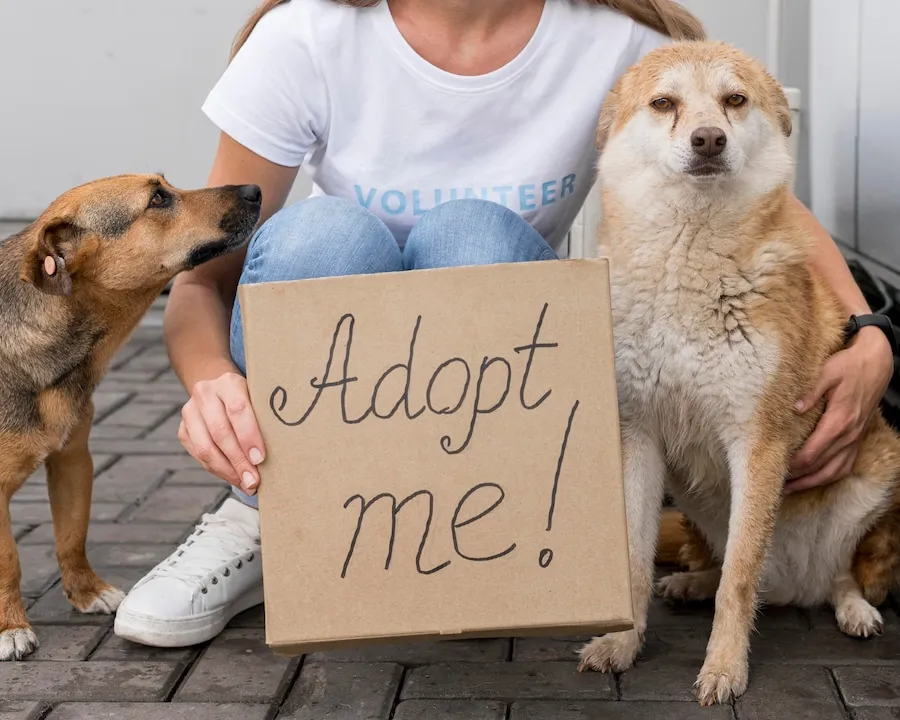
(210, 251)
(707, 169)
(237, 225)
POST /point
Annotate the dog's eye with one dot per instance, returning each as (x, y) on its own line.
(663, 104)
(159, 199)
(736, 100)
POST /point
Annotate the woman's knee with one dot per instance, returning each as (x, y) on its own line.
(320, 237)
(473, 232)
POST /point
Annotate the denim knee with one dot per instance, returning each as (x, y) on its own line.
(473, 232)
(318, 237)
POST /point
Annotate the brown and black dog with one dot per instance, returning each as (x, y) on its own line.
(73, 286)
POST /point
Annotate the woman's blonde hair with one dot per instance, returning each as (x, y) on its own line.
(664, 16)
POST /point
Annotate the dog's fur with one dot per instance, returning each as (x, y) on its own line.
(720, 325)
(73, 286)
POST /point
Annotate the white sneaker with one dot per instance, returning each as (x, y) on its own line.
(190, 596)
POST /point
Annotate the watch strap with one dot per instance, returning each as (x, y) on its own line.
(882, 322)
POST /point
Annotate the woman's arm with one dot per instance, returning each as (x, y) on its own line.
(852, 381)
(218, 426)
(198, 311)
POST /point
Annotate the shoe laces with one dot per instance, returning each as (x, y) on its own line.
(217, 544)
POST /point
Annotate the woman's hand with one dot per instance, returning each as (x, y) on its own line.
(853, 382)
(219, 429)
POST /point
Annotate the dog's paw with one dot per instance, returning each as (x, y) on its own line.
(721, 682)
(857, 618)
(689, 586)
(104, 602)
(16, 643)
(615, 652)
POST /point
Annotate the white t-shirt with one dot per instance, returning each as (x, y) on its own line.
(339, 89)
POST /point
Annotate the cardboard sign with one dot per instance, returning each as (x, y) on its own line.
(443, 455)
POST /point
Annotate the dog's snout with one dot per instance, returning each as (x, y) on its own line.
(708, 141)
(251, 194)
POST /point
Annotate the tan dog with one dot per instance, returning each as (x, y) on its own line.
(720, 325)
(73, 285)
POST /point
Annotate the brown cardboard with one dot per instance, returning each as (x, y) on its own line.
(514, 567)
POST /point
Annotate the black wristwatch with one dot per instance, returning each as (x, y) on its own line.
(882, 322)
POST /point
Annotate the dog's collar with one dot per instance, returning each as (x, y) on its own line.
(882, 322)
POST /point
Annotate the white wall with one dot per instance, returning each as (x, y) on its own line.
(878, 189)
(98, 87)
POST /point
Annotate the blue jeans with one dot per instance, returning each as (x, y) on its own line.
(327, 237)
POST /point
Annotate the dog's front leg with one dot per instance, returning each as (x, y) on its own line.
(70, 479)
(17, 639)
(757, 468)
(644, 474)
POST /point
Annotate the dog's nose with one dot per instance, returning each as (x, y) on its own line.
(251, 193)
(708, 141)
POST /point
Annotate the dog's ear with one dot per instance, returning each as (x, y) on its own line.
(45, 264)
(607, 117)
(782, 109)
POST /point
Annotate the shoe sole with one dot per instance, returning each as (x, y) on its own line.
(182, 633)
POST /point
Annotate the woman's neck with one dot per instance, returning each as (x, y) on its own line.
(467, 37)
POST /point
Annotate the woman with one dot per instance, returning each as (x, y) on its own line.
(439, 133)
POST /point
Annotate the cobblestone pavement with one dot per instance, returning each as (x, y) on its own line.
(147, 495)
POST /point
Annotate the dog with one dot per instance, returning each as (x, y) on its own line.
(720, 324)
(73, 286)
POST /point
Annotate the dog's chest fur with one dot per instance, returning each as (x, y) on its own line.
(689, 358)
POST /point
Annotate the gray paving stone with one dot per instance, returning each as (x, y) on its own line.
(106, 402)
(873, 686)
(618, 711)
(112, 533)
(534, 649)
(136, 476)
(141, 415)
(39, 569)
(54, 609)
(682, 641)
(700, 616)
(450, 710)
(179, 504)
(144, 392)
(126, 352)
(128, 554)
(506, 681)
(18, 710)
(167, 430)
(194, 476)
(826, 647)
(877, 713)
(255, 617)
(660, 678)
(162, 391)
(237, 667)
(132, 376)
(61, 642)
(343, 691)
(115, 432)
(423, 653)
(158, 711)
(116, 648)
(152, 358)
(85, 681)
(35, 513)
(32, 491)
(141, 446)
(798, 693)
